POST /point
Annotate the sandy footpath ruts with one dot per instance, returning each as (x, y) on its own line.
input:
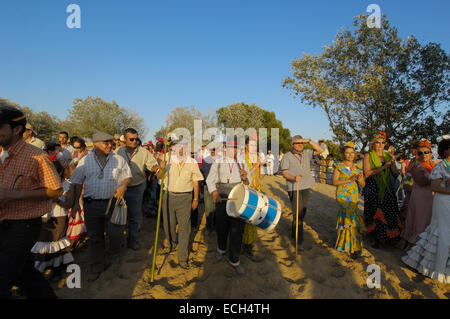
(319, 271)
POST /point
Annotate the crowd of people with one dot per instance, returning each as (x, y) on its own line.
(57, 194)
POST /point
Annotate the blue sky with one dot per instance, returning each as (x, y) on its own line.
(153, 56)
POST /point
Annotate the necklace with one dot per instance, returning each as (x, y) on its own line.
(180, 167)
(102, 168)
(231, 171)
(446, 164)
(132, 155)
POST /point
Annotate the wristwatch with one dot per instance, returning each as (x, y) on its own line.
(196, 199)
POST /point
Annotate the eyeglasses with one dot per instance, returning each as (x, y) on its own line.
(421, 153)
(378, 142)
(78, 148)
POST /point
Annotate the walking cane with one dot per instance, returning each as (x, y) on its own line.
(296, 227)
(160, 203)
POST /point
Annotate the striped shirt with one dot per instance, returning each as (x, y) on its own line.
(88, 171)
(27, 168)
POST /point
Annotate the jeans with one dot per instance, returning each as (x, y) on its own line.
(97, 223)
(133, 197)
(17, 237)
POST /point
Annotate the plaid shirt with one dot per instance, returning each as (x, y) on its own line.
(88, 171)
(27, 168)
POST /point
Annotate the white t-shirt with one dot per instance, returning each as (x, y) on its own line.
(4, 155)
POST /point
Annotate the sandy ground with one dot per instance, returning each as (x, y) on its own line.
(319, 271)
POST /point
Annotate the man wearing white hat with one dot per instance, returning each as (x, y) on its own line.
(30, 137)
(104, 175)
(181, 195)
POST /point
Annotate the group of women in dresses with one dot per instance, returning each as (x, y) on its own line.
(424, 233)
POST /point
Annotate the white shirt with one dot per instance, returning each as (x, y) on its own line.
(205, 153)
(58, 211)
(64, 155)
(226, 165)
(4, 155)
(69, 148)
(325, 152)
(88, 171)
(270, 158)
(262, 157)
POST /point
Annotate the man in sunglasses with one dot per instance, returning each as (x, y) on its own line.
(296, 169)
(140, 160)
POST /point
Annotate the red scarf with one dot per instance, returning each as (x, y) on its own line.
(429, 167)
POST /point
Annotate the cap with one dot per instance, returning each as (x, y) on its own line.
(9, 114)
(122, 138)
(29, 127)
(100, 137)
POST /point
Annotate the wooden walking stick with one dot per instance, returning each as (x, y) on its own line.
(160, 203)
(296, 227)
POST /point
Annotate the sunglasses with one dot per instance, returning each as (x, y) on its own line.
(78, 148)
(378, 142)
(132, 139)
(297, 143)
(421, 153)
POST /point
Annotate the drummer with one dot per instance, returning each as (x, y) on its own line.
(226, 173)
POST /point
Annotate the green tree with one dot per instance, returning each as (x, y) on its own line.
(94, 114)
(241, 115)
(369, 79)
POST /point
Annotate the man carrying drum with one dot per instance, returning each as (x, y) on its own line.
(224, 175)
(296, 169)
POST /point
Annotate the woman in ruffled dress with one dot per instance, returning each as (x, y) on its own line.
(76, 229)
(51, 249)
(350, 224)
(431, 255)
(381, 212)
(420, 204)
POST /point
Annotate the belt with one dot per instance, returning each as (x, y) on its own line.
(90, 199)
(180, 193)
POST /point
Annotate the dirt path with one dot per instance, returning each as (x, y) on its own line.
(319, 271)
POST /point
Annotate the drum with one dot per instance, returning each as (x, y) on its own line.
(253, 207)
